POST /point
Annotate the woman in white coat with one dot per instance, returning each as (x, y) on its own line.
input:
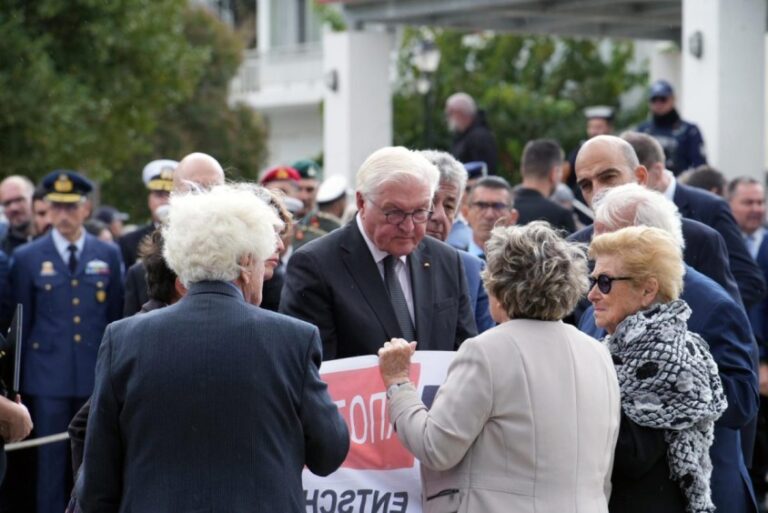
(528, 416)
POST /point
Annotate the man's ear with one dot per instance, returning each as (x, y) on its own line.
(181, 290)
(359, 201)
(641, 175)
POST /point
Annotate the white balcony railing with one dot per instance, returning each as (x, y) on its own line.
(279, 68)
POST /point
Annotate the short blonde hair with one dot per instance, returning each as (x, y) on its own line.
(645, 253)
(395, 164)
(209, 232)
(533, 272)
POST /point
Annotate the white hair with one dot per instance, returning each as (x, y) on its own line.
(395, 164)
(208, 233)
(451, 170)
(463, 102)
(634, 205)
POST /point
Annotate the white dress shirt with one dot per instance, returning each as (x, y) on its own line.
(401, 267)
(62, 245)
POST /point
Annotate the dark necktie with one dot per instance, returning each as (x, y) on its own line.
(397, 298)
(72, 258)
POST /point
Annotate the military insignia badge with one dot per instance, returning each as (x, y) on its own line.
(63, 184)
(101, 295)
(47, 269)
(97, 267)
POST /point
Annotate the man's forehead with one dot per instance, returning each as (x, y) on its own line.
(487, 192)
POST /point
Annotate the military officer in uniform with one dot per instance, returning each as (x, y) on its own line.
(332, 203)
(70, 284)
(310, 176)
(158, 178)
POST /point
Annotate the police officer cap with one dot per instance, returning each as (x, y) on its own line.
(64, 186)
(332, 189)
(158, 175)
(660, 89)
(308, 169)
(280, 173)
(599, 111)
(477, 169)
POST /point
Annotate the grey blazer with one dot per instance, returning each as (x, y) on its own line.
(525, 422)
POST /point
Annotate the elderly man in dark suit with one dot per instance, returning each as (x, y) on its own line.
(722, 322)
(378, 277)
(704, 207)
(210, 404)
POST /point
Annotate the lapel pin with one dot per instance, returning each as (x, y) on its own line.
(426, 265)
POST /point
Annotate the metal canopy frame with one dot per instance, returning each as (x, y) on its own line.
(632, 19)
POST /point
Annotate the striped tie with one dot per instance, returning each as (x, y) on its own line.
(397, 298)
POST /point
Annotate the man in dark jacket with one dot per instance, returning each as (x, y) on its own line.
(225, 399)
(473, 141)
(682, 141)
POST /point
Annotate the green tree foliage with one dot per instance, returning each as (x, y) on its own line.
(235, 135)
(529, 87)
(82, 81)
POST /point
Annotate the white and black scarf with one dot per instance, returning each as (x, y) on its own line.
(669, 381)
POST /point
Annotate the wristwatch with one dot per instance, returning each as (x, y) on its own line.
(391, 389)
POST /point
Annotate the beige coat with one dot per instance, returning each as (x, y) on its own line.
(526, 421)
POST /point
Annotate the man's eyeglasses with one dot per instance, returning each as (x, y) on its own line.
(484, 205)
(605, 282)
(419, 216)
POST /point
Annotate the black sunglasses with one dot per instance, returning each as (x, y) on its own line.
(605, 282)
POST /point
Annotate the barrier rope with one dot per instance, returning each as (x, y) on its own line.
(36, 442)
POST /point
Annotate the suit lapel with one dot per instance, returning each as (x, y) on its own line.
(51, 254)
(364, 271)
(420, 265)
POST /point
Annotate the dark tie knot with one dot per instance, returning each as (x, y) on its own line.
(72, 248)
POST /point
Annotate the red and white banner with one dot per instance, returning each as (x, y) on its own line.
(379, 474)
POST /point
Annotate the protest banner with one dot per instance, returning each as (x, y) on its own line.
(379, 475)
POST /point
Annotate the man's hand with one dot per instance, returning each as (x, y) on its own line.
(15, 422)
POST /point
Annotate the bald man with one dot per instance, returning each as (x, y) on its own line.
(16, 198)
(473, 140)
(196, 170)
(608, 161)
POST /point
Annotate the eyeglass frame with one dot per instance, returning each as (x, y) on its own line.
(496, 206)
(603, 288)
(397, 212)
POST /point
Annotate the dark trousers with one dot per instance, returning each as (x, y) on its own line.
(51, 415)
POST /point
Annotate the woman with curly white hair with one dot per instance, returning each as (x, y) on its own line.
(528, 416)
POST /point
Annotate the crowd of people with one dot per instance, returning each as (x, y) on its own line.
(608, 314)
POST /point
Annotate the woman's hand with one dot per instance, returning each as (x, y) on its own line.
(395, 361)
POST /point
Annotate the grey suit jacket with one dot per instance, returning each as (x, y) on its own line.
(334, 283)
(210, 404)
(526, 421)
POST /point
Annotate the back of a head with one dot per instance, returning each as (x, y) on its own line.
(707, 178)
(634, 205)
(161, 281)
(648, 150)
(462, 102)
(197, 171)
(645, 252)
(451, 170)
(208, 233)
(534, 257)
(395, 164)
(539, 157)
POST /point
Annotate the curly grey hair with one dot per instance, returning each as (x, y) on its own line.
(533, 272)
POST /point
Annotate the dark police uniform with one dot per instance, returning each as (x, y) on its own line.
(65, 314)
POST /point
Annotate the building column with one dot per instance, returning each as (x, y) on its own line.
(357, 109)
(724, 87)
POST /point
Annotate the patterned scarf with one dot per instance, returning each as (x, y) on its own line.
(669, 381)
